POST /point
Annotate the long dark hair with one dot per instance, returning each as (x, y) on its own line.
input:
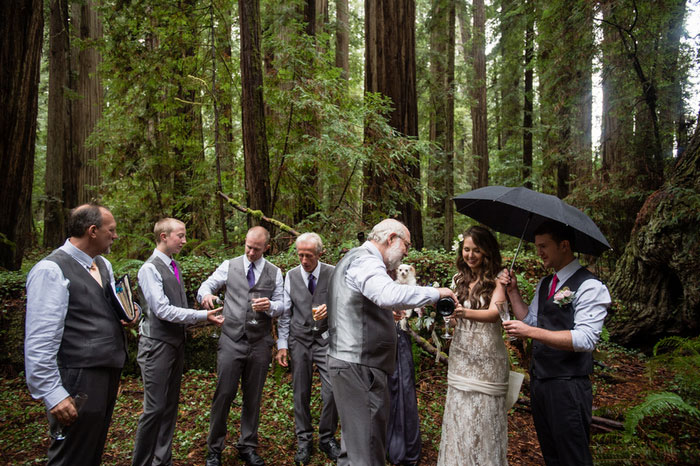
(490, 267)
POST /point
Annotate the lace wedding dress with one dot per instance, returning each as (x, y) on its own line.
(474, 424)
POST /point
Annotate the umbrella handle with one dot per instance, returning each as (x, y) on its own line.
(529, 217)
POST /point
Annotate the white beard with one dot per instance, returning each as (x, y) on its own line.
(394, 256)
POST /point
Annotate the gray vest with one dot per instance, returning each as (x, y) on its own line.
(158, 329)
(548, 362)
(237, 310)
(92, 333)
(302, 322)
(361, 332)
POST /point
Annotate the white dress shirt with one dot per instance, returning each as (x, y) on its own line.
(286, 317)
(47, 306)
(368, 275)
(220, 275)
(590, 303)
(151, 284)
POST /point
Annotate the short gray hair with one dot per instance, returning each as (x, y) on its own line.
(310, 236)
(381, 231)
(83, 217)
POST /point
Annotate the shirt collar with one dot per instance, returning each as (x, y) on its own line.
(373, 249)
(258, 263)
(162, 256)
(79, 255)
(568, 270)
(316, 272)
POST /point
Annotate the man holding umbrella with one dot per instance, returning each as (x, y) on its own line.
(565, 320)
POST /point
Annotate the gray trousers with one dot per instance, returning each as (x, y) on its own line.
(303, 358)
(248, 363)
(161, 369)
(362, 397)
(85, 438)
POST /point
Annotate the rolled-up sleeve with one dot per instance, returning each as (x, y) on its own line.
(214, 282)
(47, 306)
(591, 303)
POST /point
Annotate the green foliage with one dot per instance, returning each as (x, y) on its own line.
(682, 356)
(657, 404)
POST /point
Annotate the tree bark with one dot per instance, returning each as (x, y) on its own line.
(342, 37)
(528, 95)
(391, 70)
(22, 37)
(656, 278)
(255, 150)
(480, 147)
(59, 144)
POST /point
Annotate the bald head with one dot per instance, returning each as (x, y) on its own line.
(257, 242)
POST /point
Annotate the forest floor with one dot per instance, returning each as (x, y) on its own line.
(620, 381)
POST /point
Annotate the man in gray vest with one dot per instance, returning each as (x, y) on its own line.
(305, 289)
(564, 320)
(161, 353)
(362, 353)
(74, 340)
(245, 345)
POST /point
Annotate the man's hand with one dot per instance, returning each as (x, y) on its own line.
(517, 328)
(208, 301)
(260, 304)
(398, 315)
(448, 293)
(135, 320)
(282, 357)
(322, 312)
(215, 319)
(65, 411)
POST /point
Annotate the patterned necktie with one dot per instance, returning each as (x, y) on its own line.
(95, 272)
(553, 289)
(251, 275)
(175, 270)
(312, 283)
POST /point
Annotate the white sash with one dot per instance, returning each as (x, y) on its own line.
(510, 389)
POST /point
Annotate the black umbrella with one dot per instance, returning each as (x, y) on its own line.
(519, 211)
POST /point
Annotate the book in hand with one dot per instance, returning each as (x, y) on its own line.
(126, 298)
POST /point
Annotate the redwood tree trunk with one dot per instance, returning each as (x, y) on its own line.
(342, 37)
(478, 109)
(21, 36)
(657, 277)
(255, 151)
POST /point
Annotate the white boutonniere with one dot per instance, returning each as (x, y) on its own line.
(564, 296)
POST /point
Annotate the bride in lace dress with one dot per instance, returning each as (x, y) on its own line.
(474, 424)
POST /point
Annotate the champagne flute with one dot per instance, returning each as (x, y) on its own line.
(504, 314)
(314, 311)
(56, 428)
(217, 303)
(446, 307)
(252, 296)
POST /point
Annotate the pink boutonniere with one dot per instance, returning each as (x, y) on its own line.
(564, 296)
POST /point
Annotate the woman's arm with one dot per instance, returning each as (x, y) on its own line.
(483, 315)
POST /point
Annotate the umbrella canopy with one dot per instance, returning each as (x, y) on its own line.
(519, 211)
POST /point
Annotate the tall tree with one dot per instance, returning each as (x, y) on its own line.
(75, 107)
(257, 163)
(442, 71)
(390, 69)
(510, 73)
(479, 115)
(22, 37)
(342, 37)
(528, 95)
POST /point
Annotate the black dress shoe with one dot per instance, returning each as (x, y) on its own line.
(213, 459)
(303, 456)
(331, 449)
(251, 458)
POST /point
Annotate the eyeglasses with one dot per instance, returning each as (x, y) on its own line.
(407, 244)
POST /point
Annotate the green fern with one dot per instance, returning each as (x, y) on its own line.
(657, 404)
(677, 346)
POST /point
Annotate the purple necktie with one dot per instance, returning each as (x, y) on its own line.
(251, 275)
(312, 283)
(175, 271)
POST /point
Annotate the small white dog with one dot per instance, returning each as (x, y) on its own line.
(406, 275)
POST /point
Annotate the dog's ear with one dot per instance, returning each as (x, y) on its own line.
(413, 269)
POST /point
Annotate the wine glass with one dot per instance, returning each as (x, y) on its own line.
(56, 428)
(504, 314)
(252, 296)
(314, 311)
(445, 307)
